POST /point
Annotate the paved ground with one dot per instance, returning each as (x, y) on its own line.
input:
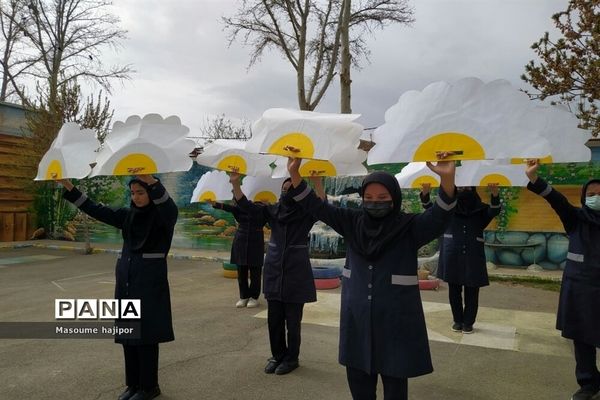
(220, 351)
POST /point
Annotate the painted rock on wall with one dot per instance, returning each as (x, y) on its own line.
(558, 245)
(548, 265)
(513, 237)
(533, 255)
(509, 257)
(562, 265)
(490, 255)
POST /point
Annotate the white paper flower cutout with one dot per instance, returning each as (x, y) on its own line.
(333, 167)
(212, 186)
(314, 135)
(483, 173)
(567, 141)
(144, 146)
(261, 188)
(415, 174)
(70, 154)
(479, 121)
(231, 156)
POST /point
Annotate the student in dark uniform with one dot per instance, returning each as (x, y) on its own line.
(579, 303)
(247, 252)
(288, 280)
(462, 262)
(382, 324)
(141, 273)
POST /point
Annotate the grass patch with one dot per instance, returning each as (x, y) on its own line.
(529, 281)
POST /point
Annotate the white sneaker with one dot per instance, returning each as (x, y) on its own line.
(241, 303)
(252, 303)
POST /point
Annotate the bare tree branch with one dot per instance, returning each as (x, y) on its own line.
(307, 33)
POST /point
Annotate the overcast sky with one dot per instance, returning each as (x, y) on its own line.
(186, 67)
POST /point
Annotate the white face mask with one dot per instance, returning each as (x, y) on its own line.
(593, 202)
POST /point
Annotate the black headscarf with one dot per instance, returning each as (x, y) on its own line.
(373, 235)
(591, 217)
(139, 221)
(287, 208)
(469, 202)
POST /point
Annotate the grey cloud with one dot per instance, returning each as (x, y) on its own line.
(186, 67)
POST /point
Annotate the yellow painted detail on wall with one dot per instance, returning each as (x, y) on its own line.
(296, 140)
(535, 215)
(265, 197)
(545, 160)
(317, 168)
(417, 183)
(135, 164)
(207, 196)
(467, 147)
(233, 163)
(54, 170)
(496, 179)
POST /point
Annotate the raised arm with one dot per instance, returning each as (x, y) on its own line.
(433, 222)
(495, 206)
(425, 196)
(565, 210)
(338, 218)
(222, 206)
(318, 185)
(107, 215)
(166, 207)
(240, 198)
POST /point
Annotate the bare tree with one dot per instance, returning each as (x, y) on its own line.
(221, 127)
(68, 37)
(52, 212)
(346, 60)
(308, 34)
(15, 62)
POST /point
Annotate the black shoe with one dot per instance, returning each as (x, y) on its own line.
(271, 366)
(584, 394)
(128, 393)
(467, 329)
(457, 327)
(146, 394)
(286, 367)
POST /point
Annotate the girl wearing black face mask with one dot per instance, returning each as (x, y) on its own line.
(288, 279)
(578, 316)
(462, 262)
(141, 273)
(382, 324)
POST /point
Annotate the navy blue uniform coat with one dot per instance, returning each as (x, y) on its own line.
(462, 255)
(287, 273)
(382, 324)
(579, 304)
(141, 274)
(248, 247)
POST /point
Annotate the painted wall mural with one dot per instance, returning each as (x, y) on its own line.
(526, 219)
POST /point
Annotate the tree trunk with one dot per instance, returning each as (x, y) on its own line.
(4, 88)
(346, 61)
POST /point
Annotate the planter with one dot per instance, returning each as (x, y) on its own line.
(429, 284)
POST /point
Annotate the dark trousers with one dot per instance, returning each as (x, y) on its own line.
(141, 366)
(463, 315)
(279, 316)
(363, 386)
(586, 370)
(255, 277)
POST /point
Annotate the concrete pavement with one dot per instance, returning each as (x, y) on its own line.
(219, 351)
